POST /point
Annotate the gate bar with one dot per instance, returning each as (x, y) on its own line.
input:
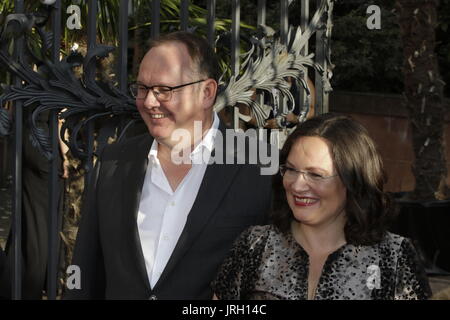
(156, 7)
(320, 58)
(53, 198)
(235, 50)
(17, 180)
(284, 24)
(184, 14)
(261, 20)
(304, 19)
(211, 6)
(91, 42)
(123, 45)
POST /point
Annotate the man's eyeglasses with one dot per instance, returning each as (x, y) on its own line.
(162, 93)
(292, 174)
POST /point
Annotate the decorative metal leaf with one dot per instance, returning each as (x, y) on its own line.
(266, 71)
(270, 65)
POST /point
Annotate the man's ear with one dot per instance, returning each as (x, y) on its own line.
(209, 92)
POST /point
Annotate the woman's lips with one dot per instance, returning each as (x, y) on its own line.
(305, 201)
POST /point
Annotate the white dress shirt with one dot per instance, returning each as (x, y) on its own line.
(163, 212)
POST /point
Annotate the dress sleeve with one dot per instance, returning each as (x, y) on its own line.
(232, 279)
(411, 282)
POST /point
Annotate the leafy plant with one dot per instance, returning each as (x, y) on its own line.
(366, 60)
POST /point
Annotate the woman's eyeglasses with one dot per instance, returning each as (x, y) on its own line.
(292, 174)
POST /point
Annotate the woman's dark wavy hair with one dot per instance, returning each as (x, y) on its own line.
(358, 164)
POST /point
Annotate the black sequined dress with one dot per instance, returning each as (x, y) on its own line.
(267, 264)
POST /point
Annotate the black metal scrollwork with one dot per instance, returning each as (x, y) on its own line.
(54, 86)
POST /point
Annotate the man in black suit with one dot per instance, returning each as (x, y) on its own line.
(165, 208)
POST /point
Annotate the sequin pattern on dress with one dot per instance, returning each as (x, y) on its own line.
(267, 264)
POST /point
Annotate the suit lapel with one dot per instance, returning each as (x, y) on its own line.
(134, 166)
(215, 183)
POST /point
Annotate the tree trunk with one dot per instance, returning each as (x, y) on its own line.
(424, 96)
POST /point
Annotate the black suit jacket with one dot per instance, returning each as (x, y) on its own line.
(108, 251)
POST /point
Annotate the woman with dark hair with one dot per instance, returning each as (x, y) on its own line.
(329, 237)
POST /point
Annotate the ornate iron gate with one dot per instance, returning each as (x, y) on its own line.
(46, 83)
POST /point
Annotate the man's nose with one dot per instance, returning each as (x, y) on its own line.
(150, 100)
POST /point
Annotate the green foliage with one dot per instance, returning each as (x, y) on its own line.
(6, 7)
(366, 60)
(372, 60)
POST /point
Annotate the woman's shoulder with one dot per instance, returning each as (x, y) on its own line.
(394, 239)
(395, 243)
(391, 245)
(266, 230)
(260, 234)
